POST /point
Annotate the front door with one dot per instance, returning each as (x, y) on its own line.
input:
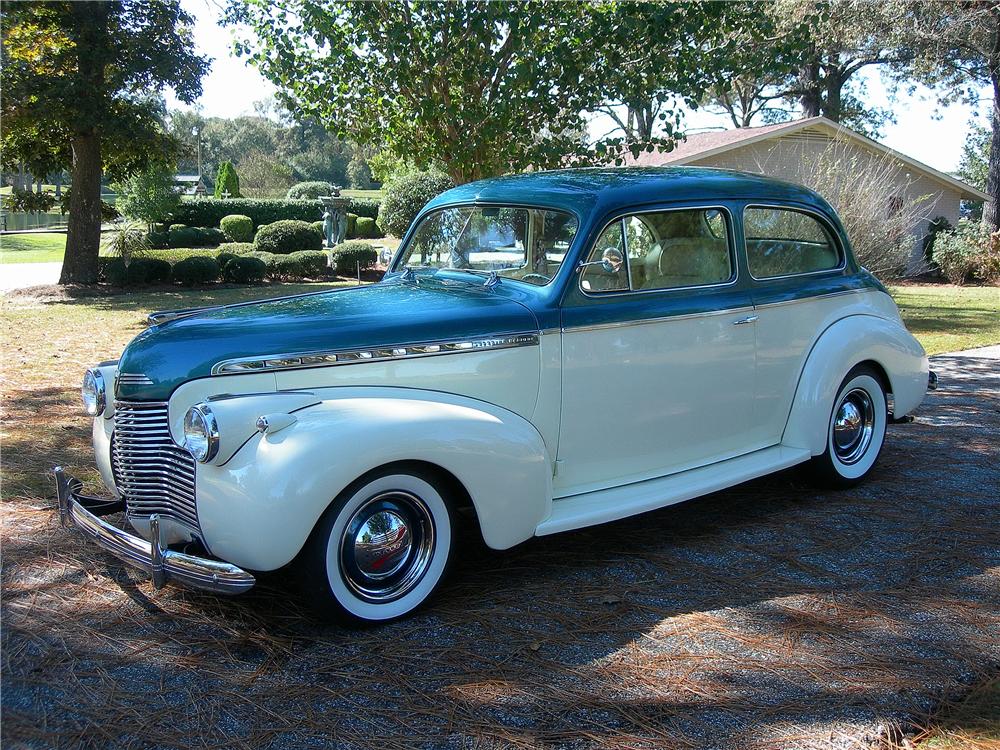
(658, 352)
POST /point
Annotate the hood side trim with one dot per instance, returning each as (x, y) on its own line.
(335, 357)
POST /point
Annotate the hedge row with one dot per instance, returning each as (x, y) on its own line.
(192, 267)
(209, 212)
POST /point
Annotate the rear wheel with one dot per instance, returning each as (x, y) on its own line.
(855, 431)
(382, 547)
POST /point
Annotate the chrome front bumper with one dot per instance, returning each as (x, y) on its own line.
(161, 563)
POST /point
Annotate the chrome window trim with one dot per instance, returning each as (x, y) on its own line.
(661, 319)
(824, 222)
(386, 353)
(730, 242)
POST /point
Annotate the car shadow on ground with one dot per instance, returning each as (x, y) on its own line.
(770, 614)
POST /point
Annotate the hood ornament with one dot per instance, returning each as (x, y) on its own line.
(492, 281)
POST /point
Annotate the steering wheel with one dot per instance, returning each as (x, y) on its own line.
(544, 279)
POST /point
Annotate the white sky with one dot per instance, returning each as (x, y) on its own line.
(924, 131)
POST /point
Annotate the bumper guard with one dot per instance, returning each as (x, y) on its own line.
(83, 511)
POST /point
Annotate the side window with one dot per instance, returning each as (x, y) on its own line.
(783, 242)
(670, 250)
(595, 278)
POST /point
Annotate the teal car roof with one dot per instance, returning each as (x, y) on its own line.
(596, 190)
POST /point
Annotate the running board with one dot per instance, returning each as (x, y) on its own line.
(601, 506)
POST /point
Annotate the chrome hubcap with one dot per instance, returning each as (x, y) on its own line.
(853, 426)
(387, 546)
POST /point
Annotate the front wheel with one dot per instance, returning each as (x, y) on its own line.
(856, 429)
(381, 549)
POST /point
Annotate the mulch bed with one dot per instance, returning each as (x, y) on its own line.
(769, 615)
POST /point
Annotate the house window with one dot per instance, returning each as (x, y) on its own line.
(895, 206)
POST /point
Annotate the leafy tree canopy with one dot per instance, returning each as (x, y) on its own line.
(81, 82)
(147, 196)
(227, 181)
(479, 88)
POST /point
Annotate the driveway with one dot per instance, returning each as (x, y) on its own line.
(768, 615)
(23, 275)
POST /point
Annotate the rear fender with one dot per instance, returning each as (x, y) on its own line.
(845, 344)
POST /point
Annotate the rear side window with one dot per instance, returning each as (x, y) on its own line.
(784, 242)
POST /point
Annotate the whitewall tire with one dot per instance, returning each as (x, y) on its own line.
(855, 429)
(382, 547)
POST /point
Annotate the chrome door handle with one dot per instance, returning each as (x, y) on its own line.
(747, 319)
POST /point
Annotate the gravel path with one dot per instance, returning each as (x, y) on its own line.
(769, 615)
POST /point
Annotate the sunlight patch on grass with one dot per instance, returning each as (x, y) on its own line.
(47, 247)
(947, 318)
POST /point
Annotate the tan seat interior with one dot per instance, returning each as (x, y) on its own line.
(685, 261)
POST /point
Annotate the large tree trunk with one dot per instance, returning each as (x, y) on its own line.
(83, 239)
(834, 82)
(810, 96)
(991, 211)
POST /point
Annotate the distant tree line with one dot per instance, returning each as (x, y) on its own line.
(270, 150)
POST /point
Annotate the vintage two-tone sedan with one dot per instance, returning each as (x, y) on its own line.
(548, 351)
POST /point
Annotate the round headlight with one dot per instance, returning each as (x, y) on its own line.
(93, 393)
(201, 433)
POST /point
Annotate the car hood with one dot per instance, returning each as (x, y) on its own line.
(392, 312)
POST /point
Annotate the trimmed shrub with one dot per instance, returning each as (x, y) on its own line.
(236, 248)
(138, 271)
(244, 270)
(366, 228)
(287, 236)
(181, 235)
(364, 207)
(347, 256)
(208, 212)
(198, 269)
(971, 253)
(175, 255)
(405, 197)
(223, 259)
(226, 180)
(149, 271)
(314, 263)
(352, 225)
(158, 240)
(288, 268)
(270, 261)
(237, 228)
(309, 190)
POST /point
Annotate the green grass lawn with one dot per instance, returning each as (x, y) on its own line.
(32, 248)
(351, 193)
(948, 318)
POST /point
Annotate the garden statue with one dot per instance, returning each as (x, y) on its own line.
(334, 218)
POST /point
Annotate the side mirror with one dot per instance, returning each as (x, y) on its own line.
(611, 261)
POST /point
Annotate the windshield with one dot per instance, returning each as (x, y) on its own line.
(528, 244)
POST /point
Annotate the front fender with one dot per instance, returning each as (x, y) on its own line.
(849, 342)
(258, 508)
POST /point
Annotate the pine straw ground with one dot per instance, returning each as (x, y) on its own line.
(770, 615)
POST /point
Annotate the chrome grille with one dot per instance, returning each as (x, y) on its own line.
(152, 473)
